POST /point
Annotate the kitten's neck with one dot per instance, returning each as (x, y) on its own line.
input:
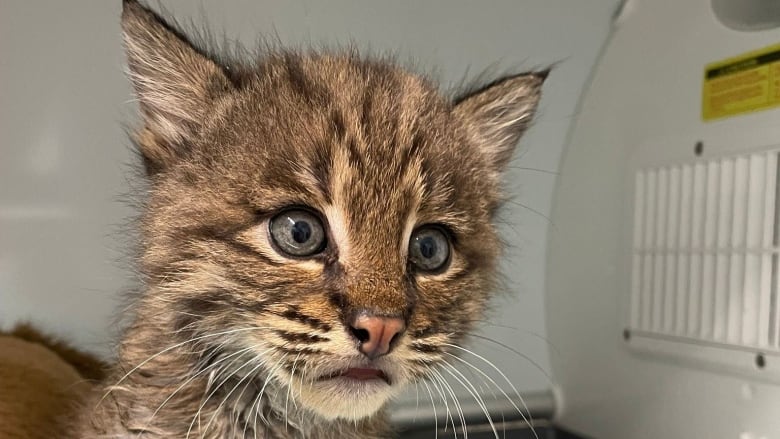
(173, 396)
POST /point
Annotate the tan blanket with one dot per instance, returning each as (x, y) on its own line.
(41, 382)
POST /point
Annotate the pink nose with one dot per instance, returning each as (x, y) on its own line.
(376, 334)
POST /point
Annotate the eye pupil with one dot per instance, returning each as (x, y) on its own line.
(427, 247)
(301, 232)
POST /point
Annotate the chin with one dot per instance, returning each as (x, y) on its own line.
(346, 398)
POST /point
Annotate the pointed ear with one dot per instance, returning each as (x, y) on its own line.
(174, 83)
(499, 113)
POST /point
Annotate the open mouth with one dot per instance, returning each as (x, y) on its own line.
(360, 374)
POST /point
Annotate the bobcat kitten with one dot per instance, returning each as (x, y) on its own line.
(317, 234)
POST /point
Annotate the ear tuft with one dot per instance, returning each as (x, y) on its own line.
(500, 112)
(175, 83)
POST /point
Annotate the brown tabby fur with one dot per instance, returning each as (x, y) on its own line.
(230, 338)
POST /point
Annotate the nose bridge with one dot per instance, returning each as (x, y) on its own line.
(378, 292)
(375, 270)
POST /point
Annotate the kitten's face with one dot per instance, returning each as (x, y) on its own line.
(331, 216)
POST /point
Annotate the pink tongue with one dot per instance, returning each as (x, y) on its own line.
(363, 374)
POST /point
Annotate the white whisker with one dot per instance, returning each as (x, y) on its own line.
(289, 389)
(224, 400)
(518, 353)
(268, 379)
(184, 384)
(455, 401)
(207, 398)
(435, 416)
(168, 349)
(439, 389)
(529, 419)
(473, 391)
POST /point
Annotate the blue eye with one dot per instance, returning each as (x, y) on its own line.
(429, 249)
(297, 232)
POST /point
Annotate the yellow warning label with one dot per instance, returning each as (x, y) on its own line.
(742, 84)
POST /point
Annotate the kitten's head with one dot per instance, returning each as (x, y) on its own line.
(328, 216)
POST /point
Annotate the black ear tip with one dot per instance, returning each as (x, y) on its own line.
(543, 74)
(127, 4)
(134, 8)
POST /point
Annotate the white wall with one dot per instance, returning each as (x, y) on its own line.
(63, 151)
(644, 109)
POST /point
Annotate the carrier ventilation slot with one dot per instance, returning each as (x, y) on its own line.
(705, 252)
